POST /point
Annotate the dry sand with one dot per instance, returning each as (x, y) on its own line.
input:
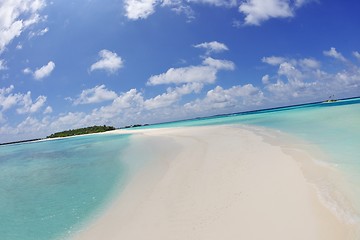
(216, 182)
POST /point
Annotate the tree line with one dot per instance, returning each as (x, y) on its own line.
(81, 131)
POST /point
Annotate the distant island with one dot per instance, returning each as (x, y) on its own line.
(81, 131)
(136, 125)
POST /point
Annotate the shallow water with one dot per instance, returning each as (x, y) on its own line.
(48, 189)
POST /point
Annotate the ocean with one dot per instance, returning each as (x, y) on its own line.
(50, 189)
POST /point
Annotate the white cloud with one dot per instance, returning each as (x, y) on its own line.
(95, 95)
(300, 3)
(16, 16)
(303, 63)
(142, 9)
(23, 102)
(67, 121)
(356, 54)
(309, 63)
(290, 71)
(201, 74)
(212, 47)
(7, 99)
(172, 95)
(48, 110)
(265, 79)
(38, 33)
(205, 73)
(273, 60)
(219, 64)
(27, 71)
(235, 98)
(180, 7)
(139, 9)
(44, 71)
(300, 80)
(258, 11)
(255, 11)
(28, 106)
(109, 61)
(334, 54)
(126, 106)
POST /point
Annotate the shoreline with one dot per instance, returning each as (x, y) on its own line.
(216, 182)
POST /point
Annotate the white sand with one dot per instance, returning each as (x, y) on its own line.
(216, 182)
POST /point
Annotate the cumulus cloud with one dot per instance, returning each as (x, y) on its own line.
(7, 98)
(109, 61)
(172, 95)
(212, 47)
(265, 79)
(27, 71)
(28, 106)
(142, 9)
(334, 54)
(44, 71)
(48, 110)
(16, 16)
(309, 63)
(139, 9)
(273, 60)
(219, 64)
(235, 98)
(205, 73)
(299, 80)
(95, 95)
(202, 74)
(180, 7)
(258, 11)
(23, 102)
(303, 63)
(125, 107)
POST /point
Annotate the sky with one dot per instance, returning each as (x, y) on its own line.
(70, 64)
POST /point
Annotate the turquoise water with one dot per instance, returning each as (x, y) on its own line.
(51, 188)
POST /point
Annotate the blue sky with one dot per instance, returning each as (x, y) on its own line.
(69, 64)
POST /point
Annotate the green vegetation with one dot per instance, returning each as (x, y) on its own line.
(82, 131)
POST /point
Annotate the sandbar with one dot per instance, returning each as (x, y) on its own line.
(215, 182)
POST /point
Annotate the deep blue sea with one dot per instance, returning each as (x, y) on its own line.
(50, 189)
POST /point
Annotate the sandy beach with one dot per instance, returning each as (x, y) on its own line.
(216, 182)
